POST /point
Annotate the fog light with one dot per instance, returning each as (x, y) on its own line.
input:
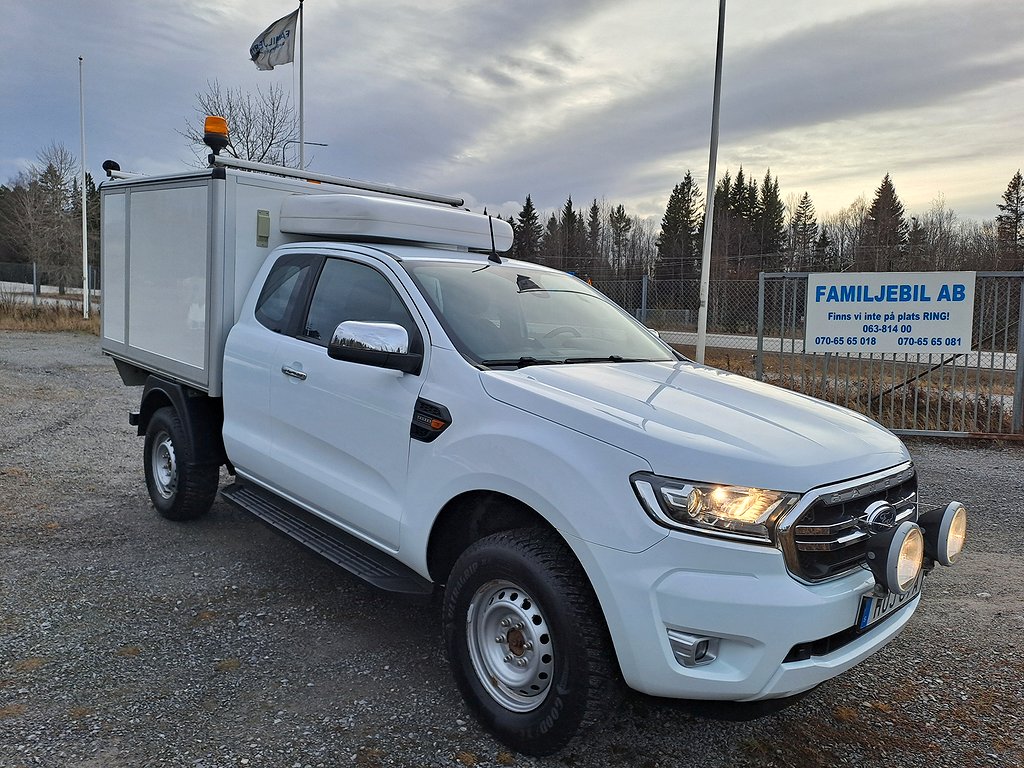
(692, 650)
(896, 556)
(945, 532)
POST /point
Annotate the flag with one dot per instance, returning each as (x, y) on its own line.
(276, 44)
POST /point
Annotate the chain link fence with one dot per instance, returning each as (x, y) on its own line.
(35, 282)
(756, 328)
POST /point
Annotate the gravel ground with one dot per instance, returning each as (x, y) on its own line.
(127, 640)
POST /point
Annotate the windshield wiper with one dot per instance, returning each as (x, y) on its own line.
(520, 362)
(608, 359)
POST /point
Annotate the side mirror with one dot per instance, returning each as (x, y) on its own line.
(383, 345)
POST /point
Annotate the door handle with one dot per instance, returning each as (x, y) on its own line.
(293, 373)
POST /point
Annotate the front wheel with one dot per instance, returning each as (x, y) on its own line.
(526, 640)
(179, 488)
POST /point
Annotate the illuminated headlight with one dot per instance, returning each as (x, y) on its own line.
(720, 510)
(945, 532)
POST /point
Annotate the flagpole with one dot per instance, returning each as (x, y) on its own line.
(302, 62)
(85, 213)
(709, 202)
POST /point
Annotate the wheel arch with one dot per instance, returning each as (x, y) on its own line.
(202, 416)
(471, 516)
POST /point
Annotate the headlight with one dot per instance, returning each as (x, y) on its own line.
(720, 510)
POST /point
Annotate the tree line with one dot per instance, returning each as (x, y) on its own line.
(41, 217)
(755, 230)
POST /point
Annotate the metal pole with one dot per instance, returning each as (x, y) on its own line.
(643, 299)
(1018, 379)
(302, 62)
(709, 202)
(85, 211)
(759, 362)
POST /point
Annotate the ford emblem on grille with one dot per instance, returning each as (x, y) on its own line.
(879, 516)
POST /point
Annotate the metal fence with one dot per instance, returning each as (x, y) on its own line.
(32, 281)
(969, 394)
(756, 328)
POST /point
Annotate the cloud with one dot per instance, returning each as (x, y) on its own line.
(597, 99)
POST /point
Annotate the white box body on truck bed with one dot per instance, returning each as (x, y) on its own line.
(390, 391)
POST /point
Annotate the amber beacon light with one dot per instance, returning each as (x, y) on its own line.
(215, 133)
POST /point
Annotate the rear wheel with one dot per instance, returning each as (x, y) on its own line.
(179, 488)
(527, 643)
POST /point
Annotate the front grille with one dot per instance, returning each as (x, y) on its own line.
(830, 538)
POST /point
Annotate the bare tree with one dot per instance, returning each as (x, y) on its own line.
(261, 125)
(41, 214)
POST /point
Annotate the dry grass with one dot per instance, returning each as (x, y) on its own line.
(977, 402)
(16, 315)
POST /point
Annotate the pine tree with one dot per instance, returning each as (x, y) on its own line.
(528, 233)
(887, 230)
(803, 229)
(1010, 224)
(823, 256)
(551, 244)
(592, 255)
(679, 240)
(619, 224)
(771, 217)
(570, 236)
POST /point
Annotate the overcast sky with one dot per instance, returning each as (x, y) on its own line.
(594, 98)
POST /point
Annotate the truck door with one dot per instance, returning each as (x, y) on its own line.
(341, 429)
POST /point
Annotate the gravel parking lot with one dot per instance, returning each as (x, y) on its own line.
(128, 640)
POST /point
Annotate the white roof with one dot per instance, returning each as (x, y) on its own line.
(346, 216)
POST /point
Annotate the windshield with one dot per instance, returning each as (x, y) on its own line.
(515, 315)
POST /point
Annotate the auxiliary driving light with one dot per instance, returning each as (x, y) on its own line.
(896, 556)
(945, 531)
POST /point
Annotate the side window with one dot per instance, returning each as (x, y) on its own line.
(283, 289)
(350, 291)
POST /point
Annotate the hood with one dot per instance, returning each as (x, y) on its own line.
(697, 423)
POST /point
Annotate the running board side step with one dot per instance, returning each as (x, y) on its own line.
(341, 548)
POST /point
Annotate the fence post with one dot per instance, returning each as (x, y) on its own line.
(643, 299)
(35, 285)
(1018, 379)
(759, 362)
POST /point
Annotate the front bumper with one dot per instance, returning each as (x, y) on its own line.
(767, 625)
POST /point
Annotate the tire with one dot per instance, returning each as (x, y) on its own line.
(527, 642)
(179, 488)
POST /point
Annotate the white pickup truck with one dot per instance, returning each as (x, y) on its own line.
(388, 389)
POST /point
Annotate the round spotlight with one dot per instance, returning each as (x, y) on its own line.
(945, 532)
(896, 556)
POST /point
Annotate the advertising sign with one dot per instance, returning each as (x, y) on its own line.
(912, 312)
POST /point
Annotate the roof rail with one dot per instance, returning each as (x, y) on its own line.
(368, 186)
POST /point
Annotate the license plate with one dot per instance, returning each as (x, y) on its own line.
(874, 608)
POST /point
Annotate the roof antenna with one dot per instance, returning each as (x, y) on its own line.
(494, 253)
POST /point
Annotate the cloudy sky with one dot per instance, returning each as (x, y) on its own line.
(594, 98)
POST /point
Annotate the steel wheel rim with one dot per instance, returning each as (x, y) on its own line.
(165, 466)
(510, 646)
